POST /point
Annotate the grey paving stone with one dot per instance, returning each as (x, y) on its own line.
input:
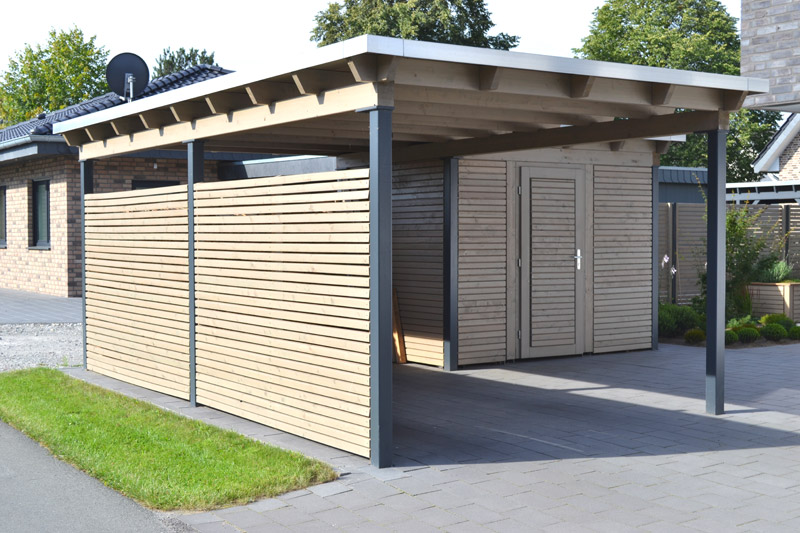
(329, 489)
(266, 505)
(244, 518)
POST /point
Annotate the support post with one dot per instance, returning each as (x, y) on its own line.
(787, 227)
(194, 174)
(450, 263)
(87, 187)
(656, 260)
(380, 284)
(715, 305)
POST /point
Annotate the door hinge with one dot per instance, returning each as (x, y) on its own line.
(519, 262)
(519, 334)
(519, 190)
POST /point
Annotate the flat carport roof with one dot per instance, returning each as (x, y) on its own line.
(373, 101)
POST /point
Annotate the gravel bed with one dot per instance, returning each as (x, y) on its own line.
(31, 345)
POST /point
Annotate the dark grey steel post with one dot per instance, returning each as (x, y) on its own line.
(87, 187)
(195, 165)
(715, 306)
(450, 263)
(380, 284)
(656, 259)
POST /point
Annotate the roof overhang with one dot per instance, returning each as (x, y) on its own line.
(769, 159)
(447, 100)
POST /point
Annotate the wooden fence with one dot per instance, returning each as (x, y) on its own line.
(282, 298)
(682, 237)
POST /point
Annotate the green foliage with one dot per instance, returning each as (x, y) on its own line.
(774, 273)
(739, 322)
(731, 337)
(748, 335)
(774, 332)
(694, 336)
(675, 320)
(794, 333)
(170, 62)
(67, 70)
(778, 318)
(465, 22)
(159, 458)
(696, 35)
(746, 255)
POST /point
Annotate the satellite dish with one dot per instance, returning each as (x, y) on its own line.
(127, 75)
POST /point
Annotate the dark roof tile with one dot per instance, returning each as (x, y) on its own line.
(43, 124)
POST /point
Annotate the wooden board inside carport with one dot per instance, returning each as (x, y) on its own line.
(553, 220)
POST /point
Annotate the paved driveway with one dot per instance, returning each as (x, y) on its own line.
(606, 443)
(18, 307)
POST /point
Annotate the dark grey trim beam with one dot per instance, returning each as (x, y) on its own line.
(656, 259)
(673, 251)
(450, 264)
(195, 165)
(87, 187)
(715, 306)
(380, 286)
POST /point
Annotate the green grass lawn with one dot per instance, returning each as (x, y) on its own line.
(163, 460)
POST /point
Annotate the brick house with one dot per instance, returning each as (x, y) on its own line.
(40, 232)
(781, 157)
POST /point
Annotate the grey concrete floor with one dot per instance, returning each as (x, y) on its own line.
(616, 442)
(20, 307)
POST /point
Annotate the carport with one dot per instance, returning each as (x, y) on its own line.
(381, 106)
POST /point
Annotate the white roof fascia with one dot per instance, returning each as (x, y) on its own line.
(769, 161)
(366, 44)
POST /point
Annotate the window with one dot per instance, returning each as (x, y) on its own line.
(2, 217)
(41, 214)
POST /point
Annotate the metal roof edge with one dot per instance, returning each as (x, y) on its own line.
(366, 44)
(764, 161)
(17, 141)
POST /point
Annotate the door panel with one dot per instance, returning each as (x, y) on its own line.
(553, 222)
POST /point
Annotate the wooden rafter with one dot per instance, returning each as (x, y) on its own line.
(267, 92)
(99, 131)
(222, 103)
(581, 86)
(318, 81)
(488, 78)
(156, 118)
(189, 111)
(127, 125)
(661, 93)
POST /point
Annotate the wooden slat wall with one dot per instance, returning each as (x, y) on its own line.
(769, 299)
(691, 250)
(623, 231)
(282, 286)
(137, 325)
(417, 248)
(482, 260)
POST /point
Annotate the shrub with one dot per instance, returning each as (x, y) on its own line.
(731, 337)
(747, 335)
(694, 336)
(794, 333)
(773, 332)
(778, 318)
(774, 272)
(675, 320)
(734, 323)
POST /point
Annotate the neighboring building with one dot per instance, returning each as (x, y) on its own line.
(781, 157)
(40, 225)
(770, 33)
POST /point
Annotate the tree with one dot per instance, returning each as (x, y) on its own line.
(465, 22)
(695, 35)
(170, 62)
(68, 70)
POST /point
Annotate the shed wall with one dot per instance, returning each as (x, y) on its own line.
(483, 241)
(623, 255)
(417, 255)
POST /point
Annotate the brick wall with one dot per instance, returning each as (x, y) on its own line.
(57, 271)
(790, 161)
(770, 37)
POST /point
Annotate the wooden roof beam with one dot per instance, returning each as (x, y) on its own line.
(733, 100)
(662, 93)
(189, 111)
(372, 68)
(156, 118)
(610, 131)
(616, 146)
(127, 125)
(488, 78)
(580, 86)
(268, 92)
(76, 137)
(98, 132)
(662, 147)
(224, 103)
(318, 81)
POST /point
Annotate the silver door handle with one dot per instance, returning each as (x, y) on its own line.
(578, 257)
